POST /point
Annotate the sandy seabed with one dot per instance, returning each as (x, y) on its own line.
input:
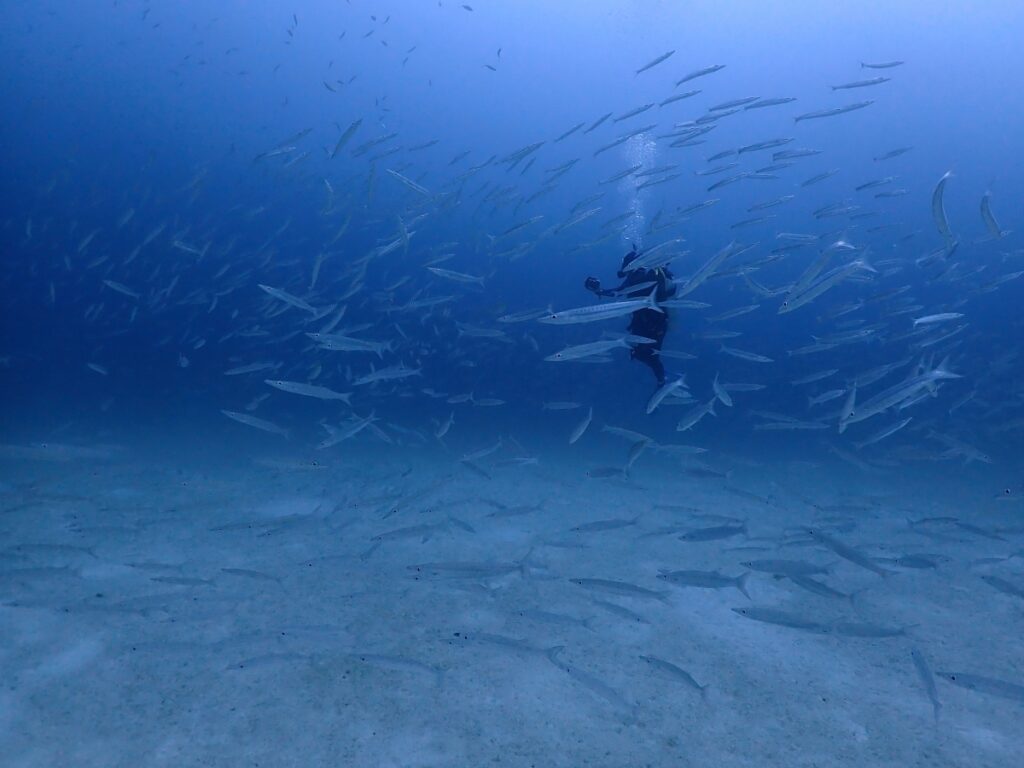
(398, 608)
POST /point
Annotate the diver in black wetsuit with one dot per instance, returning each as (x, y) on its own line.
(644, 322)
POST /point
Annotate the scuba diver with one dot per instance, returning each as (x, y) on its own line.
(648, 323)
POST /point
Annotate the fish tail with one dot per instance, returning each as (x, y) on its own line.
(942, 370)
(525, 564)
(552, 654)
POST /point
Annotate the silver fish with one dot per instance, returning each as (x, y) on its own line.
(882, 65)
(819, 588)
(401, 664)
(592, 683)
(466, 569)
(580, 428)
(336, 342)
(664, 391)
(884, 433)
(706, 580)
(595, 348)
(1004, 586)
(623, 613)
(856, 629)
(781, 618)
(690, 419)
(597, 312)
(743, 354)
(833, 112)
(309, 390)
(924, 671)
(289, 299)
(939, 210)
(789, 568)
(252, 421)
(861, 83)
(348, 134)
(599, 526)
(700, 73)
(621, 588)
(714, 533)
(988, 217)
(675, 672)
(391, 373)
(847, 552)
(655, 62)
(987, 685)
(709, 267)
(251, 368)
(121, 288)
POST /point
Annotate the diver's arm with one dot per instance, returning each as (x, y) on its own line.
(593, 285)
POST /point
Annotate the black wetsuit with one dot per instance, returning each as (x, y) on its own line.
(648, 323)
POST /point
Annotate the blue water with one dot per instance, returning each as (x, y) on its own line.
(163, 161)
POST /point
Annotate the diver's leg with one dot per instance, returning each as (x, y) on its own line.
(651, 359)
(657, 366)
(650, 325)
(658, 331)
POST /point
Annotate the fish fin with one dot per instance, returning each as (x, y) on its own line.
(854, 595)
(652, 302)
(741, 584)
(525, 563)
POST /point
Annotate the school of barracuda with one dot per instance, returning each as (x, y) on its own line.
(403, 555)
